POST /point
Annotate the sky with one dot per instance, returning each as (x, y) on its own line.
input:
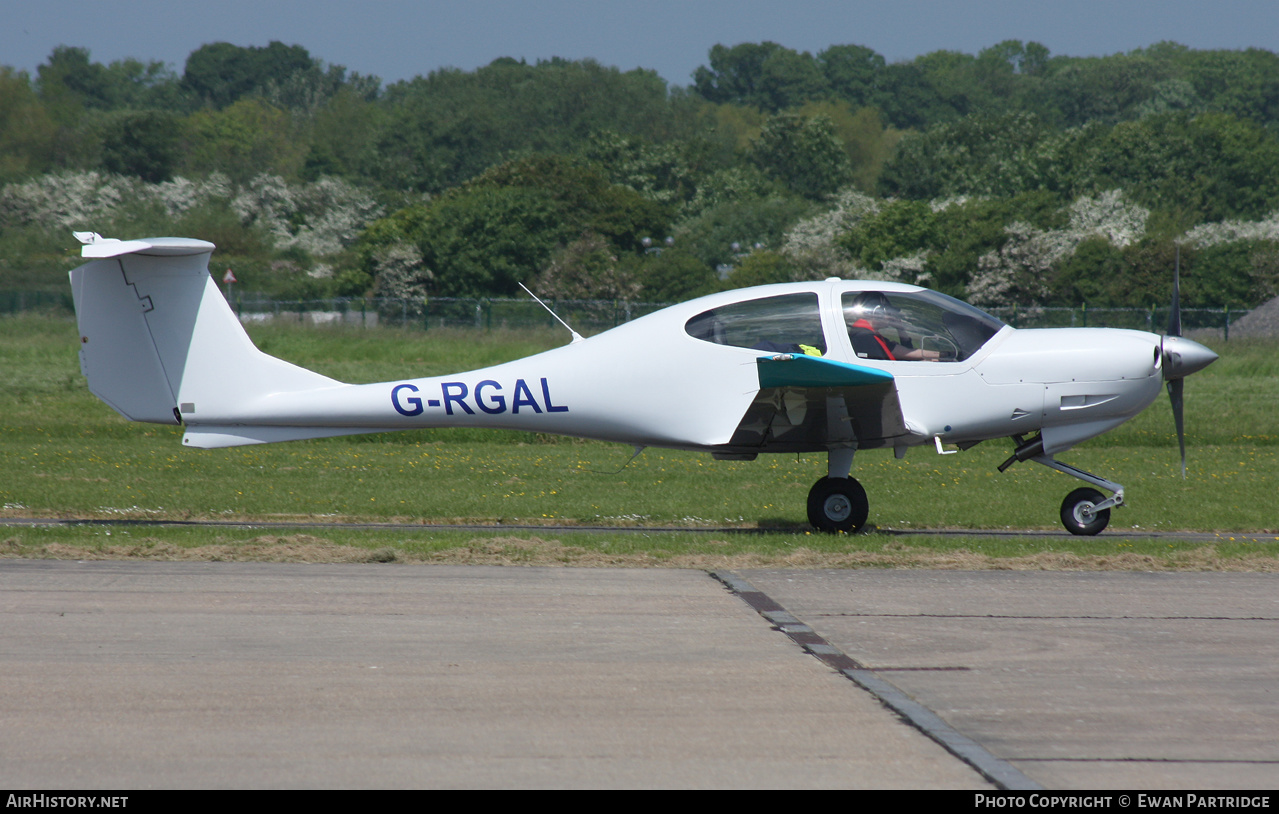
(400, 39)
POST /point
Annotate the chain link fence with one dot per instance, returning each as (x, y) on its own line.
(1154, 320)
(18, 302)
(593, 316)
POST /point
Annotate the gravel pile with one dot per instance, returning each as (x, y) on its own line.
(1262, 321)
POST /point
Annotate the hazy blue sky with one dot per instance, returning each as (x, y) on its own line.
(398, 39)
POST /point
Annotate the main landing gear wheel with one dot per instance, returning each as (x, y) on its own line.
(1078, 514)
(838, 504)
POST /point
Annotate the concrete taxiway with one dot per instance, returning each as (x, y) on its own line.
(158, 675)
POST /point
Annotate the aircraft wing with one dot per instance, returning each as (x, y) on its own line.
(810, 403)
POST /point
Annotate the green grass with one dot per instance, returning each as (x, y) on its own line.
(65, 454)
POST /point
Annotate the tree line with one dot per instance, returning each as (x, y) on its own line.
(1012, 176)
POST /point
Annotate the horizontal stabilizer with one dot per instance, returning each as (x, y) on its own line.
(97, 247)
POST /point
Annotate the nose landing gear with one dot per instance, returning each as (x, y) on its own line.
(1079, 513)
(1084, 511)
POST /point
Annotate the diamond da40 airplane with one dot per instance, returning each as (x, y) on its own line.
(835, 366)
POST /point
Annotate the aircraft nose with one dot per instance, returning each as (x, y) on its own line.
(1184, 356)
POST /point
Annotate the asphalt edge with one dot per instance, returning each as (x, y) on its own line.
(996, 770)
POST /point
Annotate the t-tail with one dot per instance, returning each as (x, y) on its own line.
(158, 341)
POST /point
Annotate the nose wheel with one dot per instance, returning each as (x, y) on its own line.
(838, 504)
(1080, 515)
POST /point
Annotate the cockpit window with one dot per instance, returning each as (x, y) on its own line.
(914, 326)
(791, 323)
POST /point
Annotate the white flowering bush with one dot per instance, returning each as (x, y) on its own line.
(321, 218)
(812, 244)
(65, 200)
(401, 272)
(268, 203)
(1018, 273)
(1231, 231)
(334, 213)
(181, 195)
(1109, 216)
(911, 269)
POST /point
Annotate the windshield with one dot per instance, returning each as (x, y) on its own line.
(917, 325)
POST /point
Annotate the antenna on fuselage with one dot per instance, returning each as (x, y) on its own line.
(577, 337)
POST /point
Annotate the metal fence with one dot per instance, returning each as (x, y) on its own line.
(1154, 320)
(17, 302)
(593, 316)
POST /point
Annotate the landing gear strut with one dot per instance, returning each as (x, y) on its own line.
(1084, 511)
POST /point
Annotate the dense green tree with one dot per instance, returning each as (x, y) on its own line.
(69, 72)
(723, 234)
(219, 74)
(966, 231)
(1094, 274)
(665, 173)
(485, 240)
(898, 229)
(1239, 273)
(765, 75)
(343, 131)
(1102, 89)
(1214, 165)
(587, 269)
(585, 199)
(802, 153)
(1242, 83)
(852, 73)
(672, 275)
(452, 125)
(977, 155)
(501, 228)
(996, 155)
(143, 144)
(243, 140)
(909, 98)
(763, 267)
(26, 130)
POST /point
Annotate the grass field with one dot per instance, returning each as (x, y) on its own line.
(65, 454)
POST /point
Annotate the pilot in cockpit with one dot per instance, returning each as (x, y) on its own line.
(868, 316)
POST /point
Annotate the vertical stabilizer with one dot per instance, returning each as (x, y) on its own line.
(157, 338)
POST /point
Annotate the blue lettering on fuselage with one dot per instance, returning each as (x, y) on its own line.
(414, 403)
(496, 404)
(488, 396)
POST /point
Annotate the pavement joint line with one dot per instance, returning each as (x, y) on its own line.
(997, 770)
(1113, 533)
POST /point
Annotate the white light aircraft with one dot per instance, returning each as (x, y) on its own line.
(835, 366)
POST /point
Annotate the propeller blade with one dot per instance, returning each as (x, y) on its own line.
(1176, 387)
(1175, 395)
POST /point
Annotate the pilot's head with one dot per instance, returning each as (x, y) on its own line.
(869, 305)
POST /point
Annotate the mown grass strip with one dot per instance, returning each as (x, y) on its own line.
(65, 454)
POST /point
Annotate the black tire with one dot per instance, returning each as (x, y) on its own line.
(1077, 513)
(838, 504)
